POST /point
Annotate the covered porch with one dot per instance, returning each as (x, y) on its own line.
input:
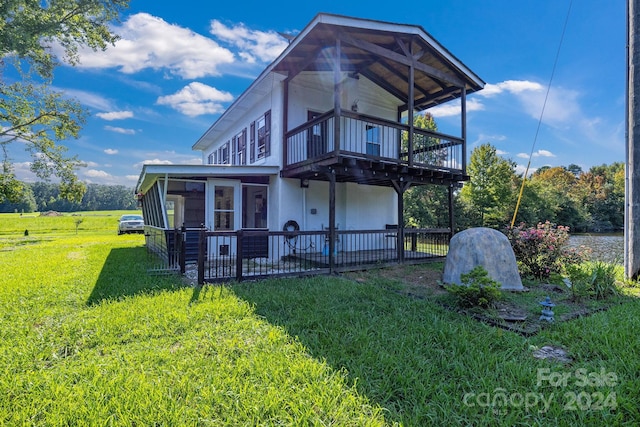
(371, 79)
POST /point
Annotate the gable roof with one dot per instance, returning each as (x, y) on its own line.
(379, 51)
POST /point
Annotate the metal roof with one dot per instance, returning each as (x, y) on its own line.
(152, 173)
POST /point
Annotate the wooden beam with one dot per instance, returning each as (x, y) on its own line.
(396, 57)
(298, 68)
(384, 85)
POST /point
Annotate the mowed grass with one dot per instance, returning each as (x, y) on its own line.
(87, 337)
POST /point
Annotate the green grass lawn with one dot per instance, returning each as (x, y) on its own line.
(88, 338)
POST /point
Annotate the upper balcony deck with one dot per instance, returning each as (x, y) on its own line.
(371, 150)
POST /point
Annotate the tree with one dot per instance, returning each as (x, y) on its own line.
(489, 192)
(425, 205)
(555, 188)
(26, 202)
(30, 111)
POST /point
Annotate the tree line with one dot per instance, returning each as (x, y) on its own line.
(44, 196)
(590, 200)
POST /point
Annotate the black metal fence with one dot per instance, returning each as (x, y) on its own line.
(165, 250)
(254, 254)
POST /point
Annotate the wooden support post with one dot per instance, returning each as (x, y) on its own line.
(285, 122)
(337, 91)
(410, 112)
(400, 188)
(451, 214)
(332, 220)
(463, 127)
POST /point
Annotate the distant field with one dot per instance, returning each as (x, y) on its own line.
(12, 224)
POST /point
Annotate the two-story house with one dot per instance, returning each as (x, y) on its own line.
(324, 139)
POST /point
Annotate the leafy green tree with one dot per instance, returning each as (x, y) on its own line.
(26, 202)
(555, 187)
(601, 192)
(426, 205)
(489, 193)
(30, 111)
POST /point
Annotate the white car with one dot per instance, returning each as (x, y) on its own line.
(130, 224)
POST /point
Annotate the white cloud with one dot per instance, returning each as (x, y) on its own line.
(155, 161)
(196, 99)
(521, 169)
(561, 107)
(94, 173)
(511, 86)
(110, 151)
(120, 130)
(115, 115)
(147, 41)
(89, 99)
(254, 45)
(543, 153)
(539, 153)
(453, 108)
(501, 153)
(91, 164)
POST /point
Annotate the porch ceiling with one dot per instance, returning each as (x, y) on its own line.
(367, 172)
(382, 53)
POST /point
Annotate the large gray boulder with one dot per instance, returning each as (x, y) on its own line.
(488, 248)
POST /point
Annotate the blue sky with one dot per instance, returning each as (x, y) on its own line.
(179, 65)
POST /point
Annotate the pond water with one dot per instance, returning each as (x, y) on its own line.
(604, 247)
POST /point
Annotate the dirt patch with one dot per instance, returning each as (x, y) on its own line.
(50, 213)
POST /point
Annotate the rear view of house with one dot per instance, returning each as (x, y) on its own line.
(313, 159)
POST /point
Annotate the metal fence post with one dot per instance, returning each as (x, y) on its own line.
(201, 255)
(239, 249)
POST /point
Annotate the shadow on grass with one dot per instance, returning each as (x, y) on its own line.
(124, 274)
(395, 349)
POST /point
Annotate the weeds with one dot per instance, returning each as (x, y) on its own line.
(596, 279)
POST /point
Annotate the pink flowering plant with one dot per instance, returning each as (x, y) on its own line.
(543, 250)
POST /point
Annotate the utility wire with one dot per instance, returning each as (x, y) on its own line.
(544, 105)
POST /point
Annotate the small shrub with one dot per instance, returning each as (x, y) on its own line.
(592, 280)
(543, 250)
(477, 289)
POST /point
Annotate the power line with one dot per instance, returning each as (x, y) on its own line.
(544, 105)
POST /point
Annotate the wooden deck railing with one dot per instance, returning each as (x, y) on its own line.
(373, 138)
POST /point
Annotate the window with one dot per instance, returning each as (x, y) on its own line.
(263, 134)
(254, 203)
(223, 208)
(373, 140)
(224, 154)
(210, 159)
(239, 148)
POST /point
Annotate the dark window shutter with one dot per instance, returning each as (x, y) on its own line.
(234, 143)
(267, 131)
(243, 149)
(252, 145)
